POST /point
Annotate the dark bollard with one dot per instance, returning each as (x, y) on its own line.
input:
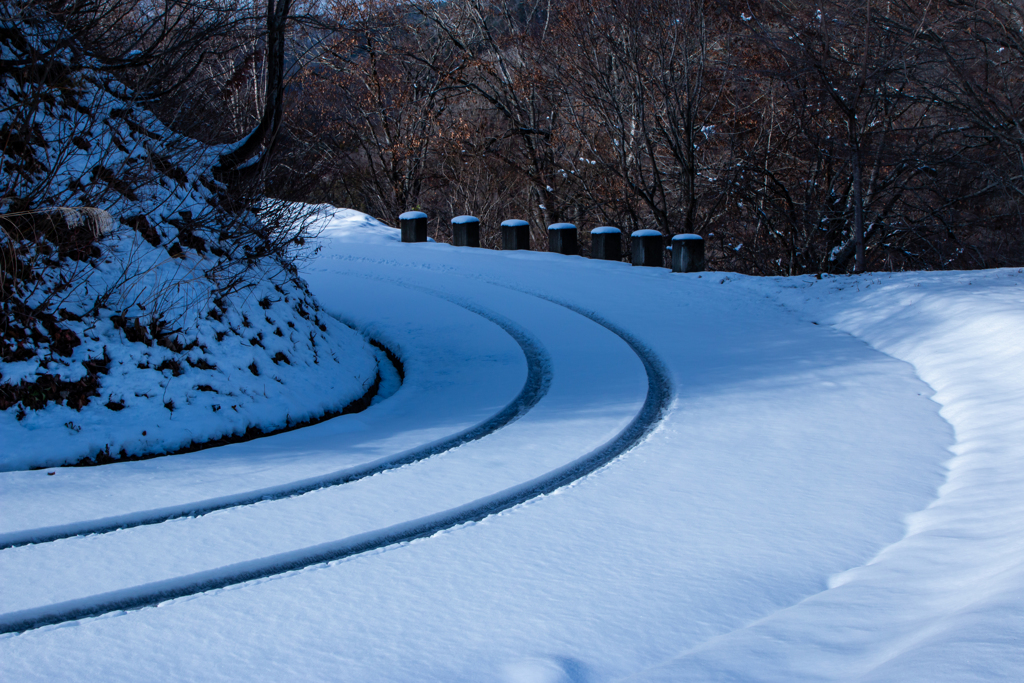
(647, 248)
(687, 253)
(515, 234)
(414, 226)
(562, 239)
(606, 243)
(466, 231)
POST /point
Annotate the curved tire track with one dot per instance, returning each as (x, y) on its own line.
(659, 394)
(538, 380)
(654, 407)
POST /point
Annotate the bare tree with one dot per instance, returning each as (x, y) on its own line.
(250, 156)
(851, 139)
(975, 72)
(502, 66)
(641, 94)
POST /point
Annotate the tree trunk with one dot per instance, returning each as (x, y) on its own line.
(250, 155)
(858, 201)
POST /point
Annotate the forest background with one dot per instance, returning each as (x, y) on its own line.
(794, 136)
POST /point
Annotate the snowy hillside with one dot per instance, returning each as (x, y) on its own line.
(592, 472)
(142, 312)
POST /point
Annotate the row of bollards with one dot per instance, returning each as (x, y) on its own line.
(648, 246)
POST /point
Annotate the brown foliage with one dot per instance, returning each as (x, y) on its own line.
(796, 137)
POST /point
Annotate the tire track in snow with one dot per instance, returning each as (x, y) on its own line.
(538, 381)
(659, 395)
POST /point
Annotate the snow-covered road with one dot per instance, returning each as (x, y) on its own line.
(609, 471)
(475, 479)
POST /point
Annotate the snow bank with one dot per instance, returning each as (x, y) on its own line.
(342, 225)
(171, 323)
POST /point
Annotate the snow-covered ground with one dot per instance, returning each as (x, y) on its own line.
(179, 325)
(591, 472)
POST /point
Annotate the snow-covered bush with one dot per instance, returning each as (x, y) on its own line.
(134, 281)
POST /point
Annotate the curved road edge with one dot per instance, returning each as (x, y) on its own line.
(656, 403)
(538, 380)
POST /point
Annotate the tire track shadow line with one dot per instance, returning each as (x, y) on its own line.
(656, 403)
(535, 387)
